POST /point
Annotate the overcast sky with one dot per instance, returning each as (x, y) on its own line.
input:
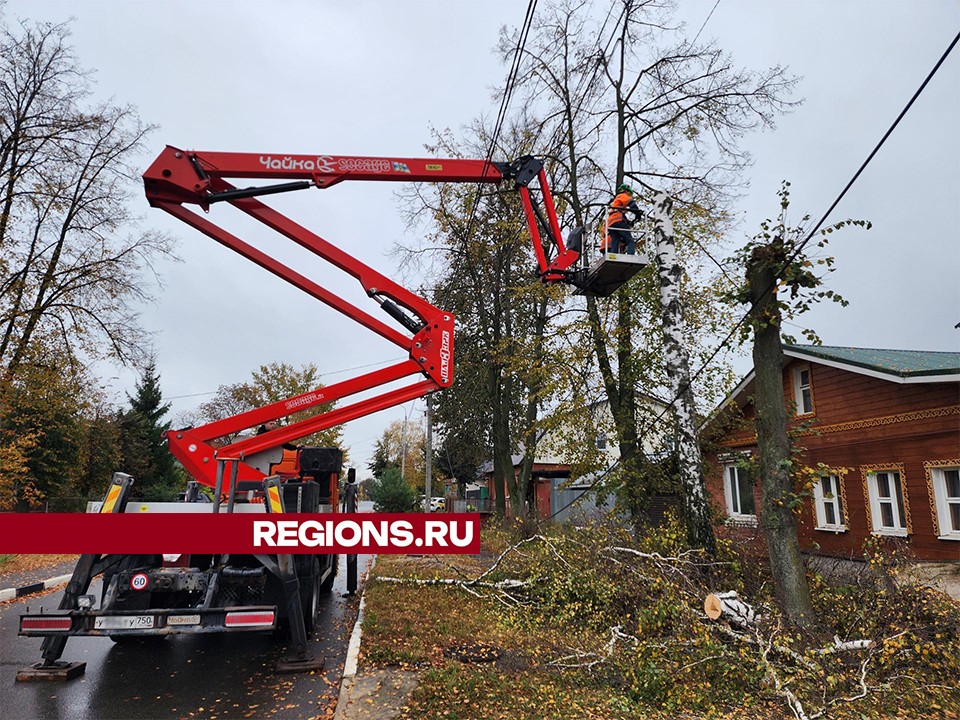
(371, 78)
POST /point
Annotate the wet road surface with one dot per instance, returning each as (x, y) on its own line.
(210, 676)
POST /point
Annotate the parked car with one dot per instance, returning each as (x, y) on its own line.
(438, 504)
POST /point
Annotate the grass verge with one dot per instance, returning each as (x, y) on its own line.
(605, 627)
(10, 564)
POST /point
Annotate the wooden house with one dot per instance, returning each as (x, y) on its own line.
(880, 430)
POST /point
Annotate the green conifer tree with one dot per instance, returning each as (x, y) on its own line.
(143, 448)
(391, 493)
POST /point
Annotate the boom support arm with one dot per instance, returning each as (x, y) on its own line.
(179, 178)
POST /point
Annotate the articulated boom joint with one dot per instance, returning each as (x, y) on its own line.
(522, 170)
(432, 349)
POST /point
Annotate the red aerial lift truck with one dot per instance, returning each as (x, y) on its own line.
(163, 595)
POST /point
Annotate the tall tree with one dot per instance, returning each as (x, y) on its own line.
(774, 259)
(73, 262)
(268, 384)
(628, 97)
(401, 446)
(677, 360)
(43, 410)
(488, 281)
(100, 455)
(144, 452)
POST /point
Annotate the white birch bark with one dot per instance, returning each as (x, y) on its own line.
(677, 361)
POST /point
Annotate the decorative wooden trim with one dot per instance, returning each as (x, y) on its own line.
(842, 482)
(840, 473)
(860, 424)
(886, 420)
(897, 467)
(928, 469)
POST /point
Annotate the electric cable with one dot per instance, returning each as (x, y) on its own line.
(325, 374)
(502, 113)
(693, 42)
(652, 424)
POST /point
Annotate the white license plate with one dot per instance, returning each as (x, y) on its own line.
(183, 620)
(124, 622)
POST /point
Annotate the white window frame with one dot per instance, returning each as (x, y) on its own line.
(836, 500)
(937, 476)
(901, 523)
(735, 516)
(799, 387)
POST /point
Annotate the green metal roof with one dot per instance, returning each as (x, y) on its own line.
(903, 363)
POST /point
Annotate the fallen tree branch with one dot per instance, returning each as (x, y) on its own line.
(513, 548)
(616, 634)
(683, 558)
(845, 646)
(781, 649)
(729, 605)
(793, 702)
(501, 589)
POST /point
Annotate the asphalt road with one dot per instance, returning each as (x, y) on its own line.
(212, 676)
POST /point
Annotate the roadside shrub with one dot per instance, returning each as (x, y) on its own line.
(391, 493)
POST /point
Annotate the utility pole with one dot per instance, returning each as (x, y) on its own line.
(403, 448)
(428, 460)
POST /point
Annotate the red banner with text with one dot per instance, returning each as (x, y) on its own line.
(239, 533)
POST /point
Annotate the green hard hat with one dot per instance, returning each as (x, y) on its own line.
(625, 188)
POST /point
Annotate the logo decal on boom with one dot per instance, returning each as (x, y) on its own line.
(445, 356)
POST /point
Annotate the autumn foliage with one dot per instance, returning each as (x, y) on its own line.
(588, 622)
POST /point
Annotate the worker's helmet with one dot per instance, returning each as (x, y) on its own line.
(625, 188)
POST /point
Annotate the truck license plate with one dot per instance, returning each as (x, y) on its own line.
(124, 622)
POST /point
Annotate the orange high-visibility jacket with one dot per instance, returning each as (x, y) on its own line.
(621, 202)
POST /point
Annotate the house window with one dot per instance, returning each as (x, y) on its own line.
(738, 489)
(887, 509)
(946, 493)
(803, 394)
(602, 441)
(828, 501)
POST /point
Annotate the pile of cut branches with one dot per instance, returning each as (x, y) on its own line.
(605, 609)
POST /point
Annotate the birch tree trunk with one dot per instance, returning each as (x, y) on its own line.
(777, 517)
(697, 509)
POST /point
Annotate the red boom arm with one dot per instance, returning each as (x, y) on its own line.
(177, 178)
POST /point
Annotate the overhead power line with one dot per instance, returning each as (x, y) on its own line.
(652, 424)
(694, 41)
(832, 207)
(331, 372)
(504, 104)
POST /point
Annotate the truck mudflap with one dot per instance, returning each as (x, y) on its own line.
(148, 622)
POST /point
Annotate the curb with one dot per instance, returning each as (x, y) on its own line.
(13, 593)
(353, 650)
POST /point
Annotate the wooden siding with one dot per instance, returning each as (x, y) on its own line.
(861, 421)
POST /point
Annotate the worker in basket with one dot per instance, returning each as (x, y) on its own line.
(619, 236)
